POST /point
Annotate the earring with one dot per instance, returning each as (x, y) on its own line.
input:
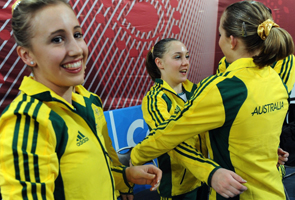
(32, 62)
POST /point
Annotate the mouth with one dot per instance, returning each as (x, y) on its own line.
(183, 71)
(72, 66)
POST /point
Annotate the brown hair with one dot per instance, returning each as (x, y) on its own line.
(242, 19)
(157, 51)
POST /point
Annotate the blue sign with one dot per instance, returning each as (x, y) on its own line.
(126, 126)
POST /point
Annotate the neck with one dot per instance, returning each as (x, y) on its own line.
(177, 88)
(66, 94)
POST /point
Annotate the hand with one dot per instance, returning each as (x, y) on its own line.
(227, 183)
(144, 174)
(283, 157)
(126, 196)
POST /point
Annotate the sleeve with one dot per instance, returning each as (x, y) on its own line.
(286, 70)
(29, 165)
(203, 112)
(202, 168)
(121, 182)
(154, 113)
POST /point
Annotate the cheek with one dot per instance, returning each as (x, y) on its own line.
(219, 42)
(85, 49)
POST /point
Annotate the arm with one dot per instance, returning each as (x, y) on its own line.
(203, 112)
(28, 162)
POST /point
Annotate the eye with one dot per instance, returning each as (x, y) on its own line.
(187, 56)
(78, 35)
(57, 39)
(177, 57)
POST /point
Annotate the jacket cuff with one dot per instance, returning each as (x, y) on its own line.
(211, 174)
(129, 184)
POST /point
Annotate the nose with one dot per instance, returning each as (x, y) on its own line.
(185, 61)
(75, 47)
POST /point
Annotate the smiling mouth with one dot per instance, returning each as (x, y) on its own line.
(183, 71)
(72, 65)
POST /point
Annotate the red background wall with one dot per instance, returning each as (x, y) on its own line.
(282, 11)
(120, 32)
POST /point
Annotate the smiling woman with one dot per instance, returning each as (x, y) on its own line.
(53, 136)
(60, 36)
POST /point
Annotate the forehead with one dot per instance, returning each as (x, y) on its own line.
(54, 17)
(176, 46)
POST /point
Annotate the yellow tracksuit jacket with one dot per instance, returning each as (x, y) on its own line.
(243, 109)
(50, 149)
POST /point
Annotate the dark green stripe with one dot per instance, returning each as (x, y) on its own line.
(233, 100)
(197, 154)
(283, 68)
(165, 187)
(168, 102)
(189, 94)
(34, 146)
(289, 70)
(15, 147)
(24, 147)
(152, 100)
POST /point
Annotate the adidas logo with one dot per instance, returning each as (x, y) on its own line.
(81, 139)
(177, 109)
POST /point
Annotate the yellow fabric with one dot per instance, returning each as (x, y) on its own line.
(243, 109)
(160, 102)
(284, 67)
(286, 70)
(51, 148)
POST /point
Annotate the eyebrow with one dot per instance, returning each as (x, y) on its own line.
(180, 52)
(62, 30)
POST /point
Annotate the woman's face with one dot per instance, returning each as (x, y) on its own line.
(174, 65)
(57, 48)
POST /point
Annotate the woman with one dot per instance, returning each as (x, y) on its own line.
(243, 109)
(54, 142)
(168, 64)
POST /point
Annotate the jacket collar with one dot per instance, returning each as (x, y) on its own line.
(241, 63)
(187, 85)
(39, 91)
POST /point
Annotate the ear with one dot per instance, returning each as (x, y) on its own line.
(233, 42)
(158, 62)
(25, 54)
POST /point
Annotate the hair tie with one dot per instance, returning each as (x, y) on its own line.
(152, 50)
(265, 27)
(14, 6)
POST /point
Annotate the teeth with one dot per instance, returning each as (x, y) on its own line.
(72, 65)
